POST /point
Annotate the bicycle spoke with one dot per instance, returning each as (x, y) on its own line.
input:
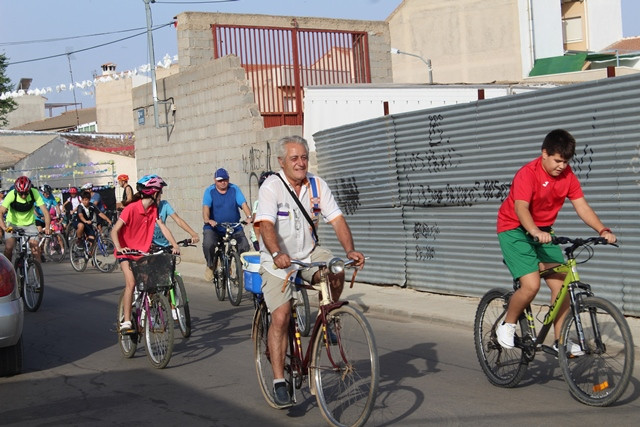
(345, 369)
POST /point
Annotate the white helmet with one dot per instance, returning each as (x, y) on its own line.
(87, 186)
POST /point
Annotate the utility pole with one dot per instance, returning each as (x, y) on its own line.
(152, 59)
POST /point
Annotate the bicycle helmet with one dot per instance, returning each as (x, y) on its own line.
(263, 176)
(87, 186)
(150, 184)
(73, 190)
(123, 177)
(22, 184)
(47, 189)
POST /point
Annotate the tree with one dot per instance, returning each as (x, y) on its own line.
(6, 105)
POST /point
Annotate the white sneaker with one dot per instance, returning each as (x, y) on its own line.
(505, 333)
(125, 326)
(574, 349)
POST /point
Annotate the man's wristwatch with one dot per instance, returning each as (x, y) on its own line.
(275, 254)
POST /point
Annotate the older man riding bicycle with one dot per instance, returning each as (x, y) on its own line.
(287, 202)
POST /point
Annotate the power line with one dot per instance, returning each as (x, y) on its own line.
(193, 2)
(87, 48)
(68, 38)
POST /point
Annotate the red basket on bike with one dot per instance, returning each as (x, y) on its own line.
(153, 272)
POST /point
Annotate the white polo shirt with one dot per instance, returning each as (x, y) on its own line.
(295, 236)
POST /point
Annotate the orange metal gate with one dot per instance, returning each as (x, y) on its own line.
(279, 62)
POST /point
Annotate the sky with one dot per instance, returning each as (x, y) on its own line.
(33, 29)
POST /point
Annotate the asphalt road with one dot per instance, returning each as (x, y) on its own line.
(74, 373)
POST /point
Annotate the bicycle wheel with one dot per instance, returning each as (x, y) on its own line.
(261, 321)
(158, 331)
(219, 276)
(104, 255)
(345, 371)
(77, 256)
(303, 310)
(181, 303)
(503, 368)
(33, 288)
(235, 279)
(601, 375)
(128, 342)
(54, 248)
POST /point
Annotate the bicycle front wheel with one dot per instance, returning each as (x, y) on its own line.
(303, 311)
(77, 256)
(602, 373)
(128, 342)
(345, 368)
(219, 275)
(104, 255)
(235, 282)
(158, 331)
(33, 289)
(260, 332)
(181, 305)
(503, 368)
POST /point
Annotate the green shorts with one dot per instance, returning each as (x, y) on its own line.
(522, 255)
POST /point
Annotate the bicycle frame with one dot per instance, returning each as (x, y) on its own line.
(570, 284)
(301, 360)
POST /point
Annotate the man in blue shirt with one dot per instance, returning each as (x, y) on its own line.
(221, 203)
(50, 202)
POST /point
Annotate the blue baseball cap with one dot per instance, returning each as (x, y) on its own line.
(221, 174)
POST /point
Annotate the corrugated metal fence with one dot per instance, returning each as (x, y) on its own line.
(421, 190)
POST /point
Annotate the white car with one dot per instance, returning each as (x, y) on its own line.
(11, 320)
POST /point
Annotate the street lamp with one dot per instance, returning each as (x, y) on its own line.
(427, 62)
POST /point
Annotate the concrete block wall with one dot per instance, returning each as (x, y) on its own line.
(195, 38)
(216, 124)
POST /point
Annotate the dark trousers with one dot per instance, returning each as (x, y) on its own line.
(211, 238)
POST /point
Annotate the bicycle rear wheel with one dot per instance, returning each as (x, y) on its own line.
(345, 369)
(104, 255)
(181, 303)
(503, 368)
(303, 310)
(77, 256)
(158, 331)
(261, 321)
(601, 375)
(128, 342)
(219, 276)
(33, 288)
(235, 279)
(54, 248)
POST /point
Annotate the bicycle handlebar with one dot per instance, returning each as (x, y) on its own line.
(158, 250)
(559, 240)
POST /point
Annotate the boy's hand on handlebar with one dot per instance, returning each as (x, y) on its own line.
(611, 238)
(357, 257)
(541, 236)
(175, 250)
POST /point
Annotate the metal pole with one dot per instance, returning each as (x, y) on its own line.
(152, 59)
(427, 62)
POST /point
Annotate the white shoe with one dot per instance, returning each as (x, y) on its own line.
(174, 314)
(125, 326)
(574, 349)
(505, 333)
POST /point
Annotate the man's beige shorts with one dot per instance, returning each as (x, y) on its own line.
(272, 285)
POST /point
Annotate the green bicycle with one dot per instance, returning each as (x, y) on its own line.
(596, 377)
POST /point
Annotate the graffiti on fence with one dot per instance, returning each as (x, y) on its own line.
(424, 234)
(347, 195)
